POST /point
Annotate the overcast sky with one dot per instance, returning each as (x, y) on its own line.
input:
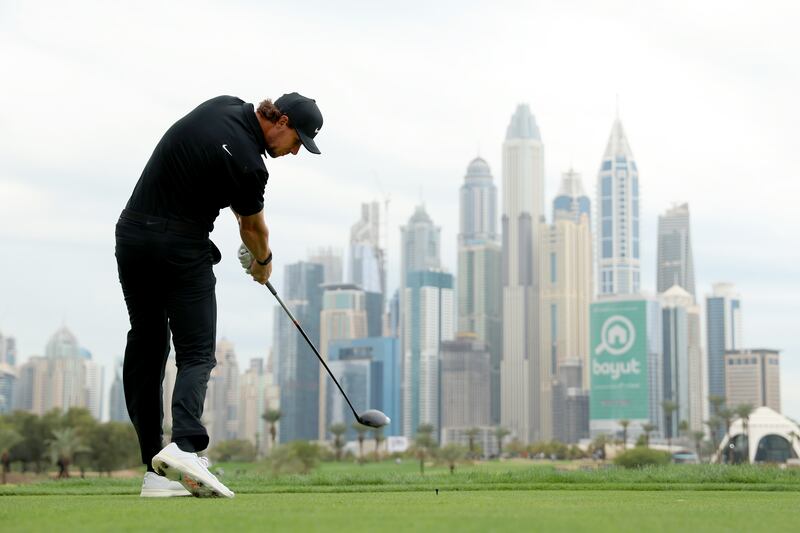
(410, 94)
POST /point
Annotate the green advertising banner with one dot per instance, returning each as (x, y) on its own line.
(619, 361)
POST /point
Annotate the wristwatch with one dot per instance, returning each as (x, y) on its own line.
(266, 261)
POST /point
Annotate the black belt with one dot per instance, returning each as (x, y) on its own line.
(165, 224)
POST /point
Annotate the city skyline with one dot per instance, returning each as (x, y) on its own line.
(739, 107)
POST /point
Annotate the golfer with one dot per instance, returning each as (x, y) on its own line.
(208, 160)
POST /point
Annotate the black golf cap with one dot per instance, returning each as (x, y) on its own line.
(304, 117)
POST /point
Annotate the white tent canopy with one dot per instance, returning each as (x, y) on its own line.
(772, 437)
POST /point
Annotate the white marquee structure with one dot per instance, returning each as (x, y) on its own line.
(773, 437)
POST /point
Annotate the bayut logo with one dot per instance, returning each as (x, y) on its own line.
(616, 338)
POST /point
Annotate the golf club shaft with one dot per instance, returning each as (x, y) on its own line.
(303, 333)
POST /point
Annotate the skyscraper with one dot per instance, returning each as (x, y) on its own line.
(118, 411)
(331, 260)
(566, 293)
(480, 270)
(571, 201)
(297, 367)
(255, 398)
(344, 316)
(724, 332)
(465, 371)
(222, 399)
(65, 378)
(420, 244)
(675, 263)
(618, 218)
(522, 401)
(8, 374)
(478, 205)
(33, 392)
(567, 282)
(368, 265)
(385, 371)
(429, 319)
(753, 377)
(682, 365)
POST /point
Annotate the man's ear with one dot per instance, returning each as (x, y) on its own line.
(283, 121)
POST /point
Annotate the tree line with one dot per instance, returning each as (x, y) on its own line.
(33, 443)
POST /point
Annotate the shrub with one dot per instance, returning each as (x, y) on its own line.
(640, 456)
(234, 450)
(296, 457)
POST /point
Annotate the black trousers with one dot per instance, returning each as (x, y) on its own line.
(168, 283)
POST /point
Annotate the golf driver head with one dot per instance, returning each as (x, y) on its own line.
(374, 419)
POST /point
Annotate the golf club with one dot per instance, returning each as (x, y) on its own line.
(371, 418)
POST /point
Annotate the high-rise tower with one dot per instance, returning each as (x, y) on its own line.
(523, 208)
(724, 332)
(567, 291)
(618, 218)
(429, 319)
(420, 244)
(675, 263)
(368, 264)
(297, 366)
(480, 270)
(571, 201)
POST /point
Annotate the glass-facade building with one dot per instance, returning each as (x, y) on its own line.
(675, 264)
(370, 368)
(618, 247)
(297, 366)
(480, 304)
(429, 315)
(724, 333)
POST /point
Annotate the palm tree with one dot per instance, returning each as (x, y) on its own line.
(377, 434)
(683, 428)
(743, 412)
(272, 416)
(471, 433)
(648, 428)
(726, 415)
(713, 423)
(716, 403)
(63, 447)
(451, 454)
(500, 433)
(669, 408)
(338, 430)
(423, 443)
(8, 439)
(624, 423)
(361, 431)
(698, 436)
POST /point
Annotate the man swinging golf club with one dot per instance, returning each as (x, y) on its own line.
(208, 160)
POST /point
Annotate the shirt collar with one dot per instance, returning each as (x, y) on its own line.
(255, 127)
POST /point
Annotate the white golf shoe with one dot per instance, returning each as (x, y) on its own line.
(155, 486)
(191, 471)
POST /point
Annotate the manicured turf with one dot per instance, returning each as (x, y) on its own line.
(488, 510)
(391, 477)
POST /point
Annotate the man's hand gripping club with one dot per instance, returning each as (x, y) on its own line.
(255, 255)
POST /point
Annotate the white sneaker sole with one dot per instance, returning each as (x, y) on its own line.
(194, 480)
(164, 493)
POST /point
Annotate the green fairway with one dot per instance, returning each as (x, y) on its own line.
(413, 511)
